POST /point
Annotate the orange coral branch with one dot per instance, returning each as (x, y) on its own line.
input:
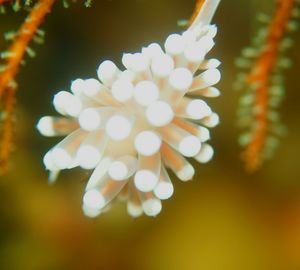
(7, 129)
(4, 1)
(260, 76)
(7, 86)
(24, 36)
(198, 7)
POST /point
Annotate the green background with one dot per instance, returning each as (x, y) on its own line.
(223, 220)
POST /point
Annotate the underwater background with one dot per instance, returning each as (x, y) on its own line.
(224, 219)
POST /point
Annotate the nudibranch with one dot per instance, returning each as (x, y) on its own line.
(131, 126)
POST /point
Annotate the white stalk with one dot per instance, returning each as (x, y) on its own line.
(206, 13)
(148, 172)
(164, 189)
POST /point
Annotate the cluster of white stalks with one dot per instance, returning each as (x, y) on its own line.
(130, 126)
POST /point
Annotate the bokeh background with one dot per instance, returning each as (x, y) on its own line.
(224, 219)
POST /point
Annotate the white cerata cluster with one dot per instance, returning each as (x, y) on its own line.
(131, 126)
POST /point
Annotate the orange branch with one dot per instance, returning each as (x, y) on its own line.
(260, 75)
(24, 36)
(198, 7)
(7, 86)
(4, 1)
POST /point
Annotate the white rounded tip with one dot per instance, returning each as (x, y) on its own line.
(60, 100)
(147, 143)
(127, 60)
(88, 157)
(212, 121)
(61, 158)
(91, 213)
(45, 126)
(152, 207)
(48, 162)
(152, 51)
(107, 71)
(118, 170)
(146, 92)
(89, 119)
(189, 36)
(174, 44)
(198, 109)
(118, 127)
(145, 180)
(134, 210)
(164, 190)
(213, 63)
(211, 76)
(122, 89)
(91, 87)
(162, 65)
(181, 79)
(206, 154)
(159, 114)
(189, 146)
(206, 43)
(186, 173)
(75, 109)
(140, 62)
(213, 92)
(77, 86)
(194, 53)
(204, 134)
(66, 103)
(94, 200)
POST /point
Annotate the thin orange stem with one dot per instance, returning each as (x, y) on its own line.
(260, 75)
(7, 86)
(24, 36)
(197, 9)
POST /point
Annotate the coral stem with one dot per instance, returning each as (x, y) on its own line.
(260, 76)
(24, 36)
(7, 84)
(196, 11)
(204, 11)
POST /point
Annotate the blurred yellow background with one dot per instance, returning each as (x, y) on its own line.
(223, 220)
